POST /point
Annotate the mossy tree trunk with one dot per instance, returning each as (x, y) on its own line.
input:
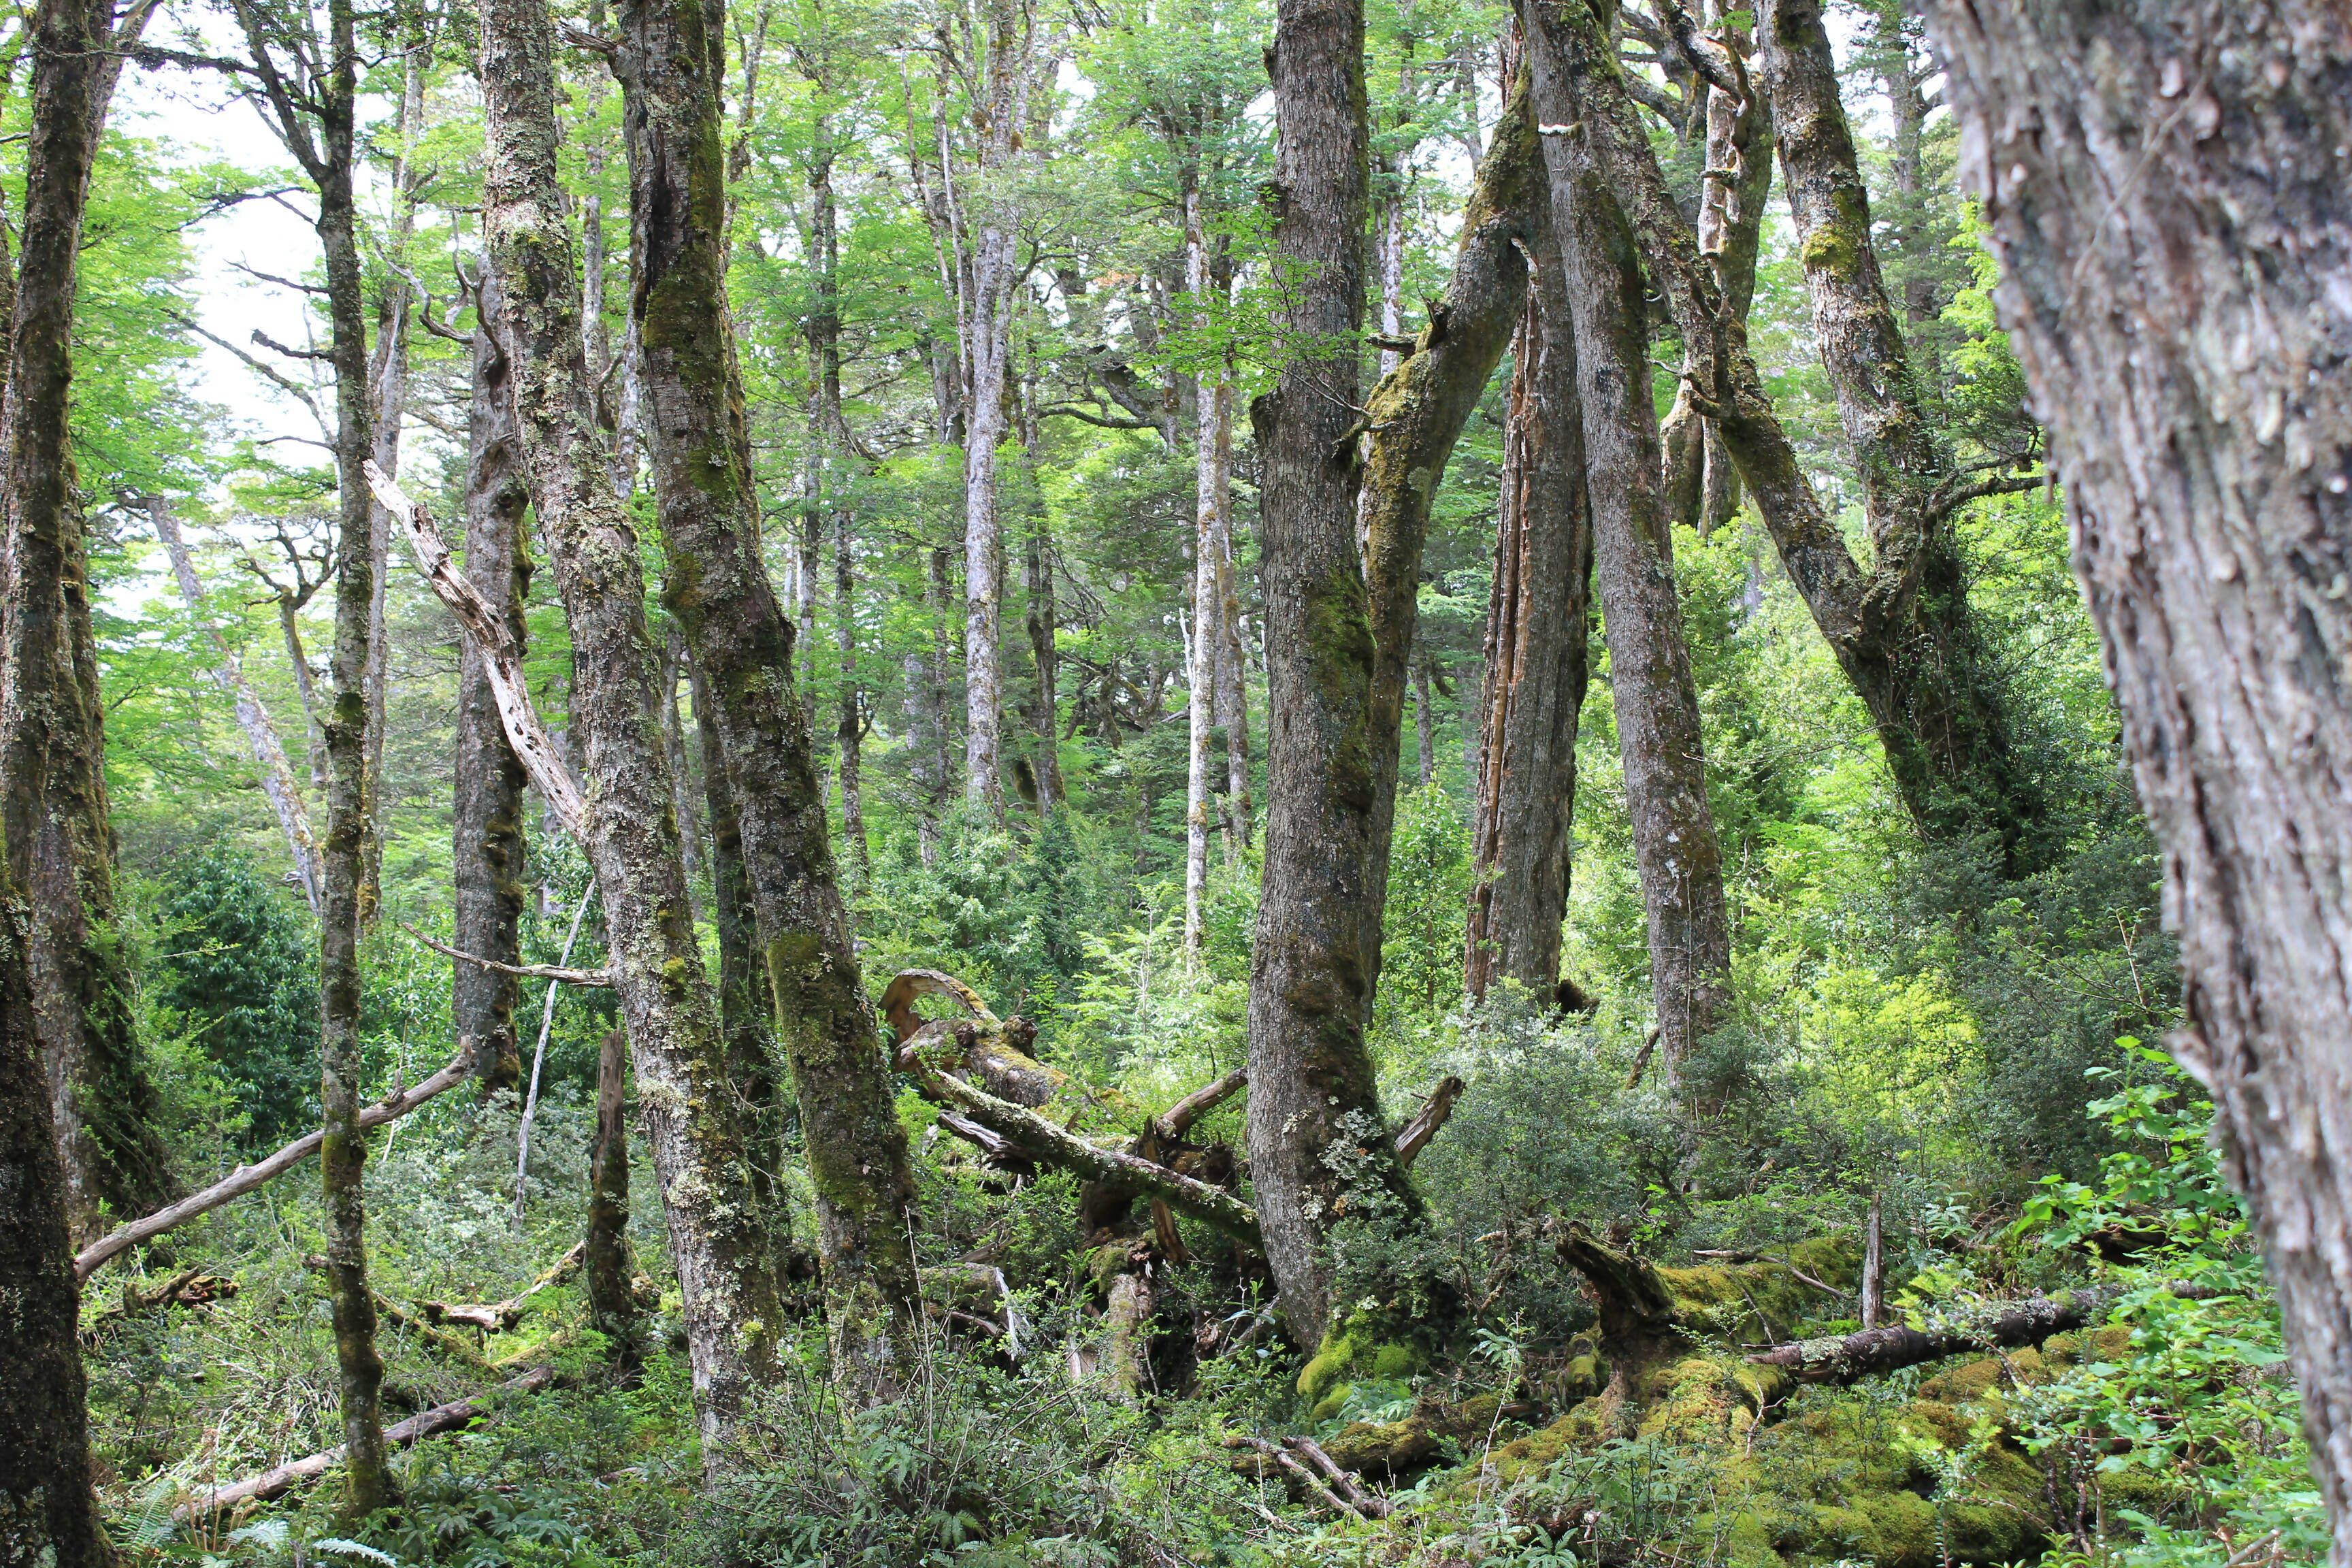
(312, 99)
(1537, 664)
(46, 1511)
(2165, 184)
(1676, 852)
(1872, 618)
(612, 1305)
(486, 845)
(629, 825)
(101, 1102)
(742, 642)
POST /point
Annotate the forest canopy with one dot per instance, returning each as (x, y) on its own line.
(833, 782)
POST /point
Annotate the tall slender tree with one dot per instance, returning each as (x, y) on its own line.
(718, 1234)
(669, 62)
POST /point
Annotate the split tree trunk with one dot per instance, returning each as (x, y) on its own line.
(46, 1510)
(1537, 664)
(2166, 188)
(717, 1238)
(487, 857)
(740, 641)
(1674, 848)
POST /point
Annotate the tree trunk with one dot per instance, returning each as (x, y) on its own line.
(388, 394)
(1872, 620)
(740, 641)
(1311, 978)
(487, 855)
(1213, 470)
(824, 350)
(1045, 657)
(59, 826)
(612, 1305)
(1537, 663)
(935, 698)
(717, 1236)
(2165, 186)
(48, 748)
(1424, 725)
(1955, 749)
(673, 726)
(743, 1005)
(1674, 850)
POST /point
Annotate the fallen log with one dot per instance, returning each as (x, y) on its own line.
(497, 1317)
(245, 1178)
(1044, 1141)
(1875, 1351)
(423, 1424)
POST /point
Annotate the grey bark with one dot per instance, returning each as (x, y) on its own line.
(629, 827)
(2166, 185)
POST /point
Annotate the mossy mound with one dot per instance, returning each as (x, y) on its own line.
(1727, 1297)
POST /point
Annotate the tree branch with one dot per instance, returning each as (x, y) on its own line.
(527, 971)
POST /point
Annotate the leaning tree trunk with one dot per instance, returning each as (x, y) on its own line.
(487, 843)
(743, 644)
(1537, 659)
(629, 825)
(1954, 756)
(59, 832)
(1674, 850)
(46, 1511)
(2166, 188)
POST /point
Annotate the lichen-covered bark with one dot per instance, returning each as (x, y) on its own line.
(47, 1513)
(743, 644)
(1213, 453)
(2166, 188)
(1537, 663)
(718, 1236)
(486, 848)
(1310, 977)
(1676, 852)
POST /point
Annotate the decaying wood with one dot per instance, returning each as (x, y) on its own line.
(1177, 1120)
(1414, 1135)
(423, 1424)
(1850, 1357)
(1368, 1504)
(601, 977)
(1051, 1144)
(245, 1178)
(501, 659)
(497, 1317)
(189, 1288)
(1291, 1466)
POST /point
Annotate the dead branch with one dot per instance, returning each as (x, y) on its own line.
(188, 1288)
(244, 1178)
(909, 985)
(527, 971)
(1177, 1120)
(423, 1424)
(497, 1317)
(501, 661)
(1415, 1134)
(1368, 1504)
(1308, 1480)
(1041, 1140)
(1874, 1352)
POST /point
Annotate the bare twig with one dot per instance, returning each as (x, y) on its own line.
(561, 976)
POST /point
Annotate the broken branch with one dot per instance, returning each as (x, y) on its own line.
(1415, 1134)
(244, 1178)
(501, 661)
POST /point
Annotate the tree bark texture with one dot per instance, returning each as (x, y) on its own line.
(2166, 189)
(1311, 1078)
(1536, 661)
(1676, 857)
(52, 761)
(1213, 445)
(630, 827)
(488, 849)
(742, 642)
(46, 1511)
(272, 767)
(1869, 618)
